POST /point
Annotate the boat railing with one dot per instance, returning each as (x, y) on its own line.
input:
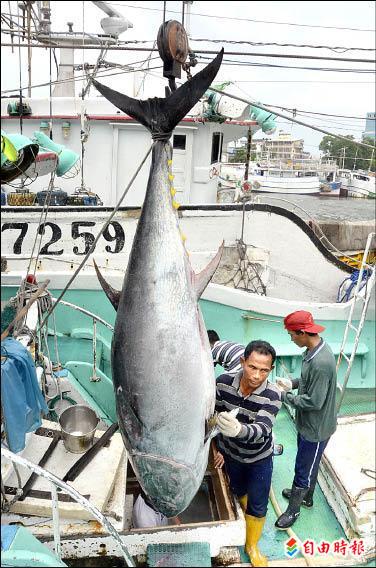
(86, 312)
(96, 319)
(357, 297)
(58, 485)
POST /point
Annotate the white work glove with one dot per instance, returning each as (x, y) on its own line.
(228, 425)
(284, 385)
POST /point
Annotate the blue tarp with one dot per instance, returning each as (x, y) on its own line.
(21, 397)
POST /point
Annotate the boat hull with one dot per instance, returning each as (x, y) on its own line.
(297, 271)
(288, 185)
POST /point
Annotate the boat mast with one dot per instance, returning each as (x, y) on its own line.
(28, 8)
(187, 16)
(354, 164)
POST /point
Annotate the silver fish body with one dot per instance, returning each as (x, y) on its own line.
(161, 359)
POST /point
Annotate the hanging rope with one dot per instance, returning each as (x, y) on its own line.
(92, 248)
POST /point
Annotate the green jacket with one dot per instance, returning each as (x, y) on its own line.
(315, 403)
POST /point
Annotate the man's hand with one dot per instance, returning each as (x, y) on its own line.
(228, 425)
(219, 460)
(284, 385)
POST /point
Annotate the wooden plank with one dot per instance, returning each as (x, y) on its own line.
(221, 489)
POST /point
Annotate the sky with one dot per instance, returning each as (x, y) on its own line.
(346, 25)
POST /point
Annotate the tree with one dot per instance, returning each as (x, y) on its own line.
(353, 153)
(240, 155)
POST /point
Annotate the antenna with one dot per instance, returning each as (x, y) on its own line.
(115, 24)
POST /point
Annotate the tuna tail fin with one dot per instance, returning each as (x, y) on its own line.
(202, 279)
(112, 294)
(160, 116)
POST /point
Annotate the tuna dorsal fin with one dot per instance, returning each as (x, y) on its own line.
(162, 115)
(112, 294)
(202, 279)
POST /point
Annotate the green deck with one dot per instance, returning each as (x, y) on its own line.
(318, 523)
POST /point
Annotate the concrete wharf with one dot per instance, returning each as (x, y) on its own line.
(345, 221)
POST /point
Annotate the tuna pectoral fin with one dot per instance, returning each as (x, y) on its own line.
(112, 294)
(202, 279)
(161, 116)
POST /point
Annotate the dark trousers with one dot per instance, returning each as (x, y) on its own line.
(253, 480)
(307, 462)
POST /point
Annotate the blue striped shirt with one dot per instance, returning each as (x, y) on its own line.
(257, 415)
(227, 354)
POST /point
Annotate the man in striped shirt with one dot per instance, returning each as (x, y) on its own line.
(245, 442)
(225, 353)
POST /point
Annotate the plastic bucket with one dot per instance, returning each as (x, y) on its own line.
(78, 424)
(226, 195)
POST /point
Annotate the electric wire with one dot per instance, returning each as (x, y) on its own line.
(216, 16)
(319, 113)
(354, 83)
(232, 62)
(79, 78)
(7, 20)
(263, 43)
(339, 49)
(158, 67)
(209, 52)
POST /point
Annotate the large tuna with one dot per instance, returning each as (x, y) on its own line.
(161, 361)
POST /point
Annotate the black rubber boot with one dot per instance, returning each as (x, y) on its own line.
(288, 518)
(307, 501)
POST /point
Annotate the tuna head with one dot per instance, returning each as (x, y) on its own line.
(170, 485)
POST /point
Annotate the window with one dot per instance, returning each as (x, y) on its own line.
(216, 152)
(179, 141)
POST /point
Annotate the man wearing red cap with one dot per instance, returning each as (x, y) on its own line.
(315, 410)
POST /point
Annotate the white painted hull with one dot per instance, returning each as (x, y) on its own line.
(361, 191)
(358, 187)
(288, 185)
(288, 286)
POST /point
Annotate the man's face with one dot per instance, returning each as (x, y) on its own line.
(256, 369)
(297, 338)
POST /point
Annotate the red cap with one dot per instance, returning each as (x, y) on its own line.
(302, 321)
(30, 279)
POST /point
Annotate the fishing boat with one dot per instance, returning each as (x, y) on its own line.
(258, 282)
(290, 179)
(252, 307)
(357, 183)
(276, 178)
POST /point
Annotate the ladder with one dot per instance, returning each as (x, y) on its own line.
(358, 297)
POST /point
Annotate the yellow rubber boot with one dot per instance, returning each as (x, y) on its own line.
(243, 502)
(254, 526)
